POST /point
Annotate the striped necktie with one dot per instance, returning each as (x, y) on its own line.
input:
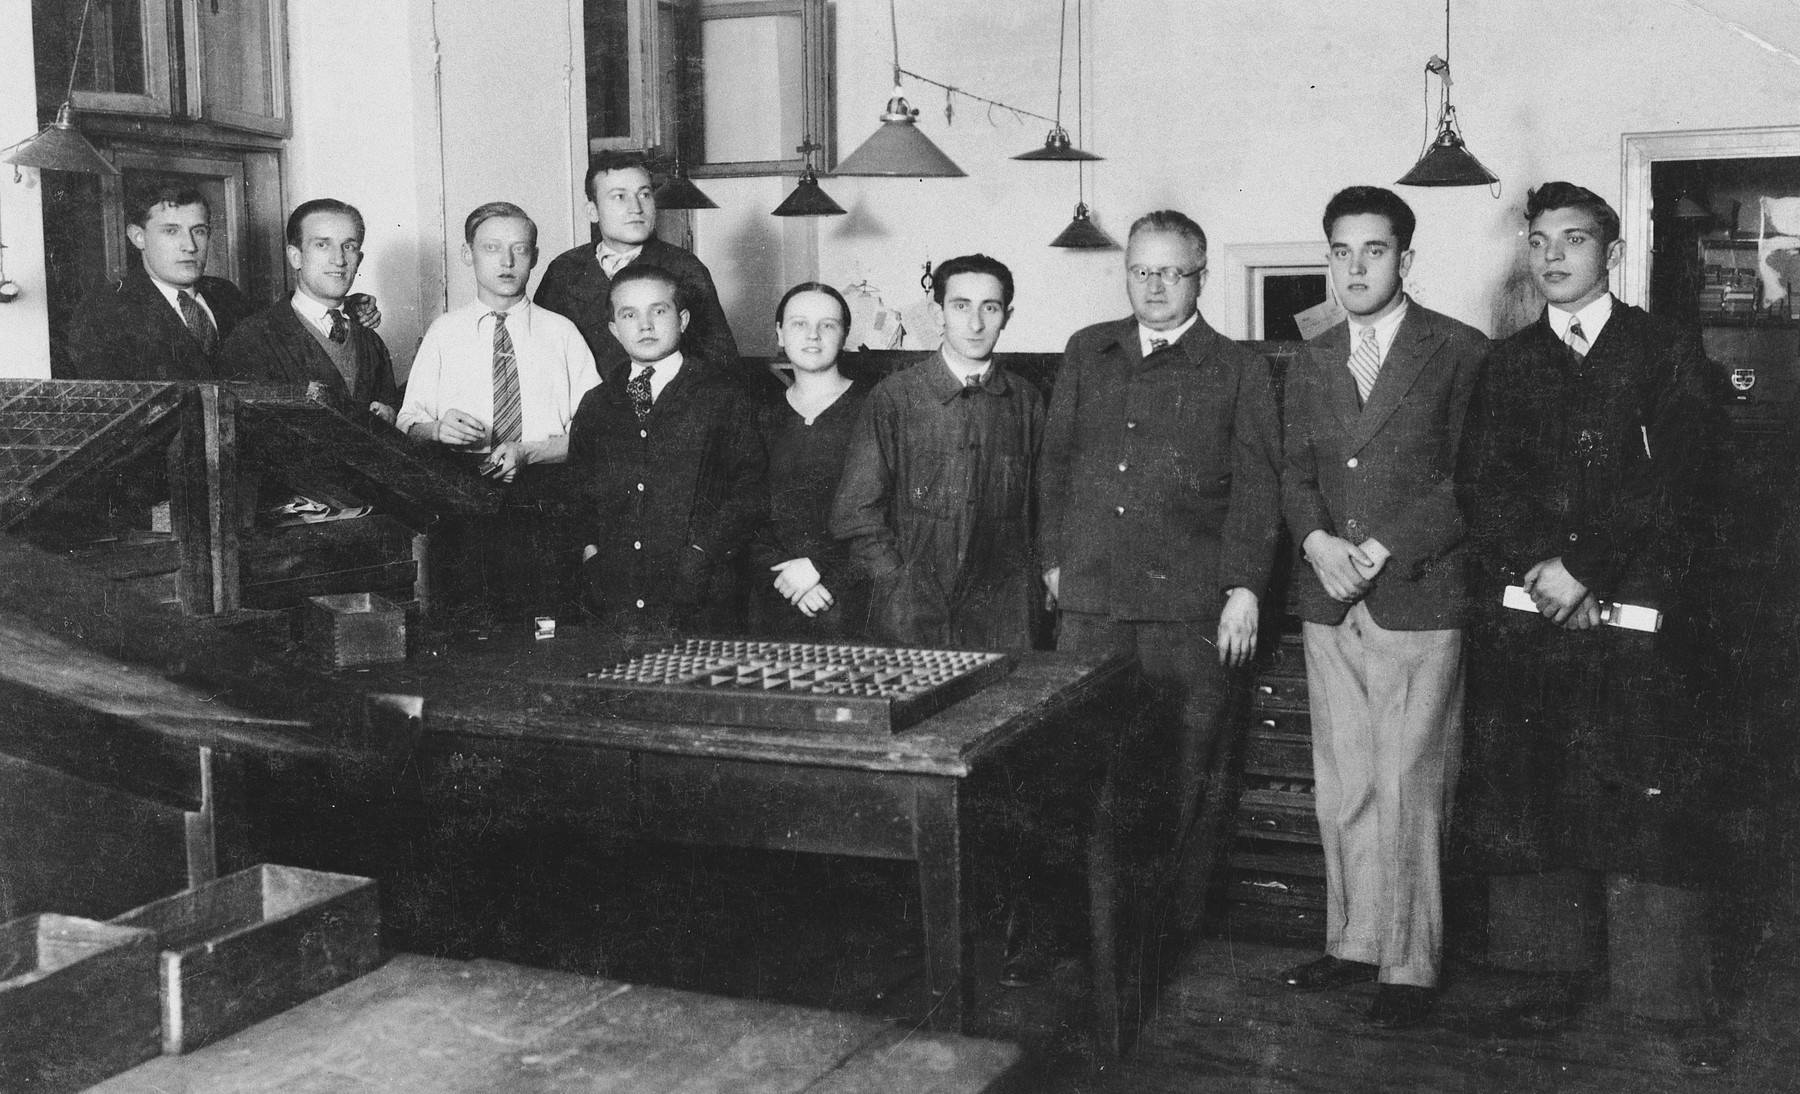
(509, 412)
(1577, 340)
(198, 323)
(1365, 362)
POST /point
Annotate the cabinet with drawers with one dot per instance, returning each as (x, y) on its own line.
(1274, 881)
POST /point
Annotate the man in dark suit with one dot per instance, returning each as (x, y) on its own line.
(311, 337)
(1159, 501)
(1375, 407)
(165, 319)
(1590, 468)
(576, 283)
(671, 467)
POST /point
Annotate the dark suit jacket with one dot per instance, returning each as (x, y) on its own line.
(1385, 470)
(672, 500)
(274, 346)
(575, 286)
(126, 330)
(1159, 485)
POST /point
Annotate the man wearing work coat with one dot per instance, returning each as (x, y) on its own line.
(1159, 500)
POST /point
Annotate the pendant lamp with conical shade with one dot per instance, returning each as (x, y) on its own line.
(59, 146)
(898, 149)
(679, 192)
(1057, 146)
(1082, 234)
(1448, 161)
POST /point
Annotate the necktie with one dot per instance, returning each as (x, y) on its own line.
(638, 388)
(1577, 340)
(1365, 362)
(199, 324)
(508, 410)
(340, 327)
(1158, 343)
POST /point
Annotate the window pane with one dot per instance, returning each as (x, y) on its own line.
(754, 98)
(112, 49)
(609, 49)
(235, 59)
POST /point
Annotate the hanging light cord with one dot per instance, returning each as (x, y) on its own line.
(75, 61)
(1080, 134)
(950, 89)
(1062, 35)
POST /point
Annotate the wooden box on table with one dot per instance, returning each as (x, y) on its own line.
(78, 1002)
(253, 944)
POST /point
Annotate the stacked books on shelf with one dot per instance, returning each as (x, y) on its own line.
(1729, 282)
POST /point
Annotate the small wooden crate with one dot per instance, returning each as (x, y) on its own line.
(352, 629)
(78, 1002)
(236, 950)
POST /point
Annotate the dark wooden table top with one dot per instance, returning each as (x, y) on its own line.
(422, 1025)
(487, 691)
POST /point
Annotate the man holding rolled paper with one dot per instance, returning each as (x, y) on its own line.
(1589, 462)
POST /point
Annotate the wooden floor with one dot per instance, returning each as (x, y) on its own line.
(1224, 1024)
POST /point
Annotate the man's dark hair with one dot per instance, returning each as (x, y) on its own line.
(497, 210)
(612, 161)
(811, 286)
(1567, 195)
(975, 264)
(1168, 220)
(297, 219)
(1378, 201)
(647, 271)
(143, 200)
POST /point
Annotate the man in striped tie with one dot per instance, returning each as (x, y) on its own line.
(1375, 407)
(497, 381)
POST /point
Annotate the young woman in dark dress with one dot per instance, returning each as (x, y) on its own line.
(812, 591)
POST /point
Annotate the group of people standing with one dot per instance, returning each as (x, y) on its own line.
(1419, 470)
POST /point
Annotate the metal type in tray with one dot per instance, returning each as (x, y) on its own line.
(53, 431)
(839, 689)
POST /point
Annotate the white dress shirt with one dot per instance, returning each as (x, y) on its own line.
(1385, 329)
(618, 259)
(454, 369)
(1593, 319)
(1146, 335)
(319, 315)
(169, 292)
(665, 371)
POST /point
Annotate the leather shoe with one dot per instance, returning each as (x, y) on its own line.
(1401, 1006)
(1324, 973)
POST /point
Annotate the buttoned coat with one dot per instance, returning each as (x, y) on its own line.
(1596, 748)
(1384, 469)
(1159, 487)
(275, 346)
(671, 501)
(575, 286)
(126, 330)
(936, 503)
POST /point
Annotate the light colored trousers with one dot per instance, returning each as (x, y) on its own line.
(1387, 711)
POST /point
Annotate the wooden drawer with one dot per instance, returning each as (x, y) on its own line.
(1277, 816)
(1274, 923)
(1267, 753)
(1287, 890)
(1273, 692)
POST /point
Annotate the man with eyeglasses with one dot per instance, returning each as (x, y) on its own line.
(1159, 502)
(313, 337)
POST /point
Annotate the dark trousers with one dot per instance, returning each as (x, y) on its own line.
(1168, 757)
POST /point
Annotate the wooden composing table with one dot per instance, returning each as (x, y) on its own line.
(422, 1025)
(488, 730)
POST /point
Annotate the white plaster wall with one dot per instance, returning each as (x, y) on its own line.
(1249, 116)
(417, 112)
(24, 323)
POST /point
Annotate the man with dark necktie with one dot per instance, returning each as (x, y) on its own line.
(499, 378)
(165, 319)
(312, 337)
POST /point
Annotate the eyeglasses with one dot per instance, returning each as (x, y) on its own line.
(1168, 275)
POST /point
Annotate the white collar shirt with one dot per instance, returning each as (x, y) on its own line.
(1147, 336)
(454, 369)
(316, 313)
(1385, 329)
(169, 292)
(611, 261)
(965, 375)
(665, 371)
(1593, 319)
